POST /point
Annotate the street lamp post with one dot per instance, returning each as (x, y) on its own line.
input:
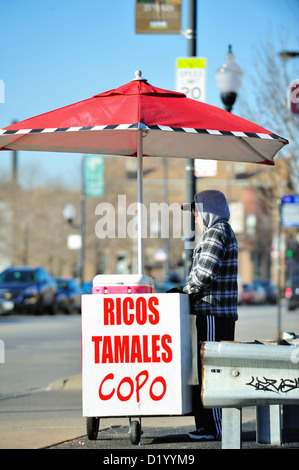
(229, 80)
(190, 180)
(69, 214)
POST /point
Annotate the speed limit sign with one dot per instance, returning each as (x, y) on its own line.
(191, 77)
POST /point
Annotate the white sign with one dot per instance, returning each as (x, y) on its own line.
(191, 77)
(136, 354)
(237, 216)
(204, 168)
(290, 210)
(74, 242)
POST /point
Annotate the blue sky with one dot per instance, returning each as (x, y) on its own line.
(54, 53)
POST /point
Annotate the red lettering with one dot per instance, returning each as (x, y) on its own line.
(135, 348)
(146, 357)
(130, 309)
(153, 319)
(141, 310)
(128, 319)
(107, 352)
(167, 355)
(121, 348)
(136, 354)
(101, 395)
(96, 340)
(138, 386)
(118, 311)
(155, 348)
(108, 311)
(157, 397)
(130, 382)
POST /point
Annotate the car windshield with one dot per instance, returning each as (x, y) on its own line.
(17, 276)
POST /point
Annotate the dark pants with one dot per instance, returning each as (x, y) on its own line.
(209, 328)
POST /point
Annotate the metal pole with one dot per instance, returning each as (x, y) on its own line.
(140, 202)
(190, 183)
(82, 222)
(279, 271)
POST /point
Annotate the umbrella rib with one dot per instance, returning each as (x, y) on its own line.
(252, 148)
(20, 137)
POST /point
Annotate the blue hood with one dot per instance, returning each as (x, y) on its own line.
(212, 207)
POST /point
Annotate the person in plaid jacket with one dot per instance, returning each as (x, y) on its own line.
(213, 290)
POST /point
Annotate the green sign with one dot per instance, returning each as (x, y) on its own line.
(94, 176)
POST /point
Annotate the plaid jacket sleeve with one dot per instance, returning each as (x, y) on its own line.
(213, 276)
(207, 260)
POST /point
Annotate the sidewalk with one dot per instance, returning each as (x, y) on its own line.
(42, 418)
(52, 416)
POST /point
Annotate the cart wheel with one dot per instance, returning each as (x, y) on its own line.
(135, 432)
(92, 427)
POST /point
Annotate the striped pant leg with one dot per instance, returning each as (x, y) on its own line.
(211, 328)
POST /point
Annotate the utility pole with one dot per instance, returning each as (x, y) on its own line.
(190, 182)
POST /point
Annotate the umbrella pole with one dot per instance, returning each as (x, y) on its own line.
(140, 201)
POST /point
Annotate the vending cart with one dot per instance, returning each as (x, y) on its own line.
(136, 352)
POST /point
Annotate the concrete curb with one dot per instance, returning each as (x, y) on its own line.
(71, 383)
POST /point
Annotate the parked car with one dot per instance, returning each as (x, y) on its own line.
(292, 285)
(253, 293)
(271, 291)
(87, 287)
(31, 290)
(247, 294)
(240, 290)
(68, 295)
(292, 296)
(259, 293)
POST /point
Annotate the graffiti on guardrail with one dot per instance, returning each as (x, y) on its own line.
(273, 385)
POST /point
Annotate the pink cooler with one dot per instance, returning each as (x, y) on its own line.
(122, 284)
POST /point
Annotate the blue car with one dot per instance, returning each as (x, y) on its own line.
(29, 289)
(68, 295)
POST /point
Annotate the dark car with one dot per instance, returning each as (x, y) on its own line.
(68, 295)
(292, 290)
(271, 291)
(253, 293)
(292, 284)
(31, 290)
(292, 296)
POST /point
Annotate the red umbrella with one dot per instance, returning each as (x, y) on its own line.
(138, 119)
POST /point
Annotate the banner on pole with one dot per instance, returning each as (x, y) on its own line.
(158, 16)
(94, 176)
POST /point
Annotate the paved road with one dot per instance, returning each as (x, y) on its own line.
(38, 351)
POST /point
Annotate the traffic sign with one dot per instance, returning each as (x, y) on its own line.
(294, 97)
(290, 210)
(191, 77)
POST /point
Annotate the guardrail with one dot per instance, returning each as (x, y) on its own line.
(237, 375)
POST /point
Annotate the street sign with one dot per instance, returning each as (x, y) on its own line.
(204, 168)
(294, 97)
(94, 175)
(290, 210)
(191, 77)
(158, 17)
